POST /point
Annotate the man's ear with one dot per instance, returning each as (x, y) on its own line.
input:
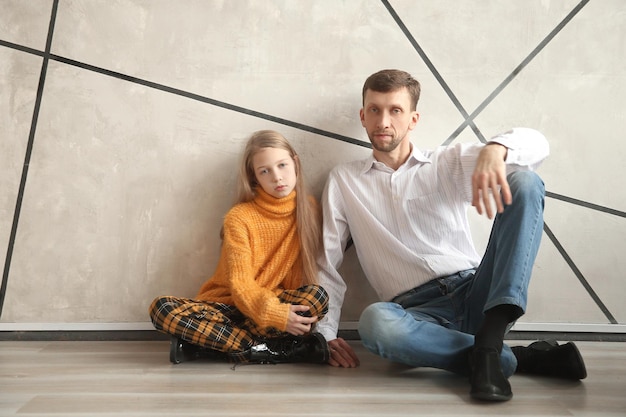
(414, 119)
(362, 117)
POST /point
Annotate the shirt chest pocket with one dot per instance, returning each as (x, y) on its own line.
(420, 184)
(425, 199)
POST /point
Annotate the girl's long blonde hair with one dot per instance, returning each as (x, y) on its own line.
(308, 216)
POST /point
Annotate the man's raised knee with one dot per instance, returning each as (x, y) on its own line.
(526, 184)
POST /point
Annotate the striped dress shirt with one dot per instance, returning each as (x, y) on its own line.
(408, 225)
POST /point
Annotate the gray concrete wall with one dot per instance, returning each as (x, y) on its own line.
(120, 139)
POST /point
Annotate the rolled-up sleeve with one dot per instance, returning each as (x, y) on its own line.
(526, 147)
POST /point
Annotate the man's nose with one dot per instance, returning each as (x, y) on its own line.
(383, 120)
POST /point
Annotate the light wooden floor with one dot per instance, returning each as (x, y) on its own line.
(125, 378)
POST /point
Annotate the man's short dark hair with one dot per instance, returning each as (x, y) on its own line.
(391, 80)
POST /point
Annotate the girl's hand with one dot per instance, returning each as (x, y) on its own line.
(297, 324)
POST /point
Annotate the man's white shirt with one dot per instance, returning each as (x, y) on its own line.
(410, 225)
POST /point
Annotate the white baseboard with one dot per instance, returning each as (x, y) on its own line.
(74, 327)
(345, 325)
(542, 327)
(570, 327)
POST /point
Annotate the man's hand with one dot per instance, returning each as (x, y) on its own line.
(342, 355)
(489, 180)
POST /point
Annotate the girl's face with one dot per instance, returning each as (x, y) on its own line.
(275, 171)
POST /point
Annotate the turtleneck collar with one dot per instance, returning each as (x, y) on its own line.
(279, 206)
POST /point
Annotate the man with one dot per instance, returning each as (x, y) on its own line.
(406, 212)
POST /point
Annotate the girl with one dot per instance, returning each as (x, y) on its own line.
(262, 302)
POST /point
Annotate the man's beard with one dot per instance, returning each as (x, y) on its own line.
(387, 147)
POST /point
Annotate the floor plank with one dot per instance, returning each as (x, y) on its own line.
(135, 378)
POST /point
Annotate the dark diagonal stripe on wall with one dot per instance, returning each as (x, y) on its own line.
(208, 100)
(579, 275)
(187, 94)
(433, 70)
(470, 119)
(22, 48)
(586, 204)
(29, 151)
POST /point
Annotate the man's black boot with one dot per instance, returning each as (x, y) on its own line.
(311, 348)
(548, 358)
(487, 380)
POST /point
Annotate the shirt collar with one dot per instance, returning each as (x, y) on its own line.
(415, 157)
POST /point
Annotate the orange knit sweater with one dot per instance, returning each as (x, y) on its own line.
(260, 258)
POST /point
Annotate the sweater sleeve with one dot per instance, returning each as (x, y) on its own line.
(254, 301)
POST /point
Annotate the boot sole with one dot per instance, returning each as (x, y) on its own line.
(483, 396)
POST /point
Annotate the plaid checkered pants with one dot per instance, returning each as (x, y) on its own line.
(223, 327)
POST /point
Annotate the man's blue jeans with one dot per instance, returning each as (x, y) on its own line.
(434, 324)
